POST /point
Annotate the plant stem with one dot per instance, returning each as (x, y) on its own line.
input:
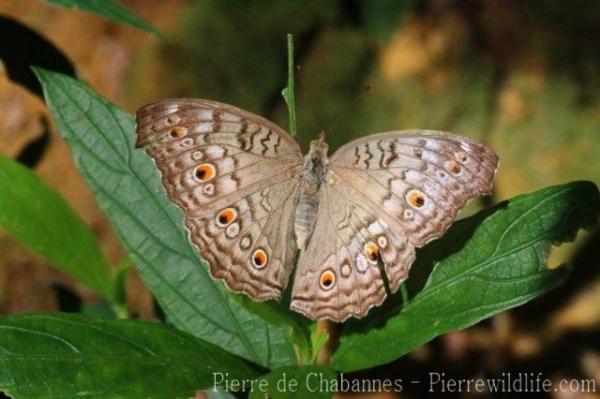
(404, 293)
(332, 330)
(288, 92)
(120, 310)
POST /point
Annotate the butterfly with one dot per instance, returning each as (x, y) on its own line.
(251, 200)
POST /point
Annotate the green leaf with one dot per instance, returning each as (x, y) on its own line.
(127, 186)
(110, 9)
(43, 221)
(65, 356)
(279, 314)
(502, 265)
(297, 382)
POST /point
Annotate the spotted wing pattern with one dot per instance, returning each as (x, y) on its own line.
(388, 193)
(233, 175)
(417, 180)
(339, 274)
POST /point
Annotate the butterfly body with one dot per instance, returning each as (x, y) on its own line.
(251, 200)
(312, 177)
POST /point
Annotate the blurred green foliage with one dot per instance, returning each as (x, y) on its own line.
(520, 76)
(110, 9)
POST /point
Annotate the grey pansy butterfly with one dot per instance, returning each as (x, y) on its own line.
(251, 200)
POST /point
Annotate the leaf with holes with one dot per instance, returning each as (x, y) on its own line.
(61, 355)
(501, 265)
(127, 186)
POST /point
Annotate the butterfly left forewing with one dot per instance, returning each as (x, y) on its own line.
(231, 172)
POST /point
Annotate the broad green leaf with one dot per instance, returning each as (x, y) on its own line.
(127, 186)
(43, 221)
(501, 265)
(110, 9)
(297, 382)
(65, 356)
(279, 314)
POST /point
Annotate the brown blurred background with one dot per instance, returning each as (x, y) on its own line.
(522, 76)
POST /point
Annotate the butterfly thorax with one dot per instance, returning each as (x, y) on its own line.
(312, 175)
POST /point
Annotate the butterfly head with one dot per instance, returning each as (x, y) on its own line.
(315, 163)
(316, 159)
(318, 147)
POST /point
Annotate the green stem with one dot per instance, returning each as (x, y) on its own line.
(288, 92)
(118, 301)
(120, 310)
(404, 293)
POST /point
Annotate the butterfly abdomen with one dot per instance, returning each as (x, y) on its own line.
(305, 219)
(308, 204)
(312, 177)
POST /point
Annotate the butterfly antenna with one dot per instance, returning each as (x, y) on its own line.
(350, 108)
(304, 95)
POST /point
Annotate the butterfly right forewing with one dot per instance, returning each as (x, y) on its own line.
(416, 181)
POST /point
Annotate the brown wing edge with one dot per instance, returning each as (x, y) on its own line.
(143, 114)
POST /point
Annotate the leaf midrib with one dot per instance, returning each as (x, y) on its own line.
(183, 358)
(442, 284)
(491, 259)
(508, 302)
(212, 284)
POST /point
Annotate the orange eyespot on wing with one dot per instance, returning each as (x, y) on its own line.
(461, 157)
(453, 167)
(178, 132)
(371, 251)
(205, 172)
(327, 279)
(226, 216)
(259, 258)
(415, 198)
